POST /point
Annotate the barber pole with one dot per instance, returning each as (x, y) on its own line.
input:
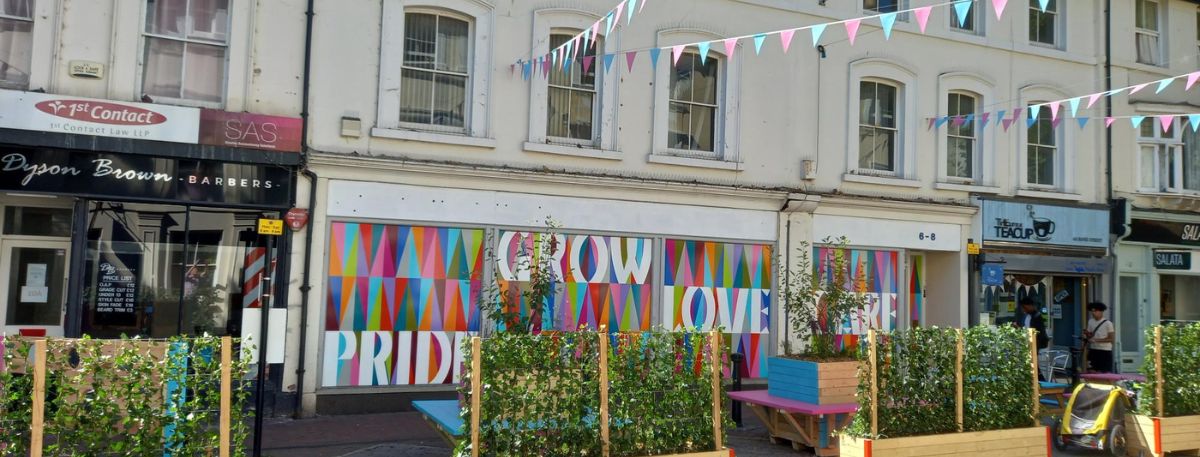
(252, 277)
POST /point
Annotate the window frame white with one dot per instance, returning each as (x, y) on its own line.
(1059, 22)
(905, 81)
(1158, 34)
(480, 18)
(984, 160)
(1065, 157)
(726, 127)
(604, 120)
(975, 22)
(1163, 146)
(236, 53)
(33, 38)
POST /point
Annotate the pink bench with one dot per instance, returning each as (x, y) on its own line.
(804, 424)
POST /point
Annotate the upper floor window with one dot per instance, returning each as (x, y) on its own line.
(1190, 162)
(435, 71)
(877, 126)
(1043, 25)
(186, 50)
(16, 42)
(572, 94)
(1147, 32)
(882, 6)
(961, 141)
(694, 104)
(969, 23)
(1167, 162)
(1043, 155)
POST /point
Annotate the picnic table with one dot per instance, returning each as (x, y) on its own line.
(443, 415)
(1057, 392)
(1112, 378)
(804, 424)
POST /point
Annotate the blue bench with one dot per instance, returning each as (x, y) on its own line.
(444, 416)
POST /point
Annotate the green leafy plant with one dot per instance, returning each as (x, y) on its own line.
(519, 306)
(820, 297)
(1180, 372)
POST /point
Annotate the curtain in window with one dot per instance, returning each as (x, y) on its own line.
(433, 87)
(1147, 48)
(1191, 160)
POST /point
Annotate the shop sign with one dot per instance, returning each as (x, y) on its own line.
(296, 218)
(1029, 223)
(147, 121)
(1167, 260)
(1164, 232)
(103, 175)
(993, 274)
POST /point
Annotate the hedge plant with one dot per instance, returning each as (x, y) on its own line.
(917, 382)
(124, 397)
(1180, 372)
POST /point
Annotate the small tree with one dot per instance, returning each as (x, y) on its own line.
(505, 298)
(820, 300)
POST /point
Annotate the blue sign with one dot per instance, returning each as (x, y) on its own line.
(993, 274)
(1029, 223)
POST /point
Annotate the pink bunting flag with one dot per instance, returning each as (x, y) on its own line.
(1007, 123)
(629, 56)
(595, 33)
(1092, 99)
(983, 119)
(546, 65)
(1108, 121)
(730, 45)
(1054, 110)
(785, 38)
(1166, 121)
(958, 121)
(922, 15)
(1192, 77)
(1055, 122)
(587, 63)
(998, 5)
(575, 47)
(1137, 88)
(852, 29)
(931, 121)
(642, 6)
(676, 51)
(620, 9)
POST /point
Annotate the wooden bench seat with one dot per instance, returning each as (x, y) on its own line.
(804, 424)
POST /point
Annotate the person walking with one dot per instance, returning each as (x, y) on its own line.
(1100, 333)
(1033, 319)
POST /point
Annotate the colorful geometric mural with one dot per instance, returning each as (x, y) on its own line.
(601, 280)
(709, 284)
(916, 290)
(398, 299)
(876, 273)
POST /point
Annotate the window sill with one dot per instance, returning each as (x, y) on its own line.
(882, 180)
(574, 151)
(1049, 194)
(184, 102)
(434, 137)
(973, 188)
(1172, 194)
(714, 163)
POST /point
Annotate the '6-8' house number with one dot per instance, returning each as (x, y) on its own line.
(922, 236)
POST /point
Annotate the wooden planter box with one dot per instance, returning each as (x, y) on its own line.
(1155, 436)
(824, 383)
(1017, 442)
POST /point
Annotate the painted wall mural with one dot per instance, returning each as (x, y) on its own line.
(399, 301)
(877, 274)
(708, 284)
(602, 280)
(916, 290)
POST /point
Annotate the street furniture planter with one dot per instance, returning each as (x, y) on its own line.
(1147, 436)
(819, 383)
(1030, 442)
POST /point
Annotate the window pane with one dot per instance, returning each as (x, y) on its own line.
(968, 24)
(450, 98)
(44, 303)
(1191, 160)
(1147, 15)
(1041, 163)
(17, 8)
(37, 221)
(416, 96)
(452, 45)
(210, 20)
(166, 17)
(205, 72)
(681, 79)
(866, 103)
(558, 114)
(887, 105)
(866, 147)
(420, 34)
(959, 160)
(704, 82)
(678, 123)
(702, 128)
(882, 6)
(1147, 167)
(1147, 48)
(1147, 128)
(16, 51)
(164, 68)
(559, 78)
(581, 115)
(875, 149)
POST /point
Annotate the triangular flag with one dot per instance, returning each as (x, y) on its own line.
(608, 24)
(730, 45)
(608, 60)
(1194, 119)
(1007, 123)
(785, 39)
(1000, 114)
(1137, 121)
(852, 29)
(942, 121)
(629, 56)
(620, 9)
(1192, 77)
(676, 51)
(554, 58)
(587, 63)
(922, 14)
(569, 46)
(545, 65)
(817, 30)
(1092, 99)
(1074, 105)
(1017, 113)
(629, 11)
(1034, 110)
(1162, 85)
(578, 46)
(525, 69)
(1082, 121)
(1166, 121)
(961, 8)
(983, 119)
(1043, 4)
(998, 5)
(931, 121)
(703, 47)
(1054, 123)
(1054, 110)
(1137, 88)
(654, 52)
(1108, 122)
(970, 119)
(586, 32)
(567, 64)
(640, 8)
(887, 21)
(595, 33)
(758, 41)
(958, 121)
(1029, 122)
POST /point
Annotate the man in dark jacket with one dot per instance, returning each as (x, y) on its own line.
(1033, 319)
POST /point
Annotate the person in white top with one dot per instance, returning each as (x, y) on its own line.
(1099, 334)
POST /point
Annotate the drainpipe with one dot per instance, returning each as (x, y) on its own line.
(306, 283)
(1108, 175)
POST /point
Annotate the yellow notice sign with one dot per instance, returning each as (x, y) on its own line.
(270, 227)
(973, 248)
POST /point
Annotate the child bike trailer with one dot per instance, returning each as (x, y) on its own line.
(1094, 419)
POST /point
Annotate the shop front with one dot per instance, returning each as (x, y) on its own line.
(134, 219)
(1054, 255)
(1159, 277)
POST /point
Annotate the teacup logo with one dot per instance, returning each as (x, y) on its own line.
(1042, 228)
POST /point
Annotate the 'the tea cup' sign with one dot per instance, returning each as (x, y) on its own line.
(1018, 222)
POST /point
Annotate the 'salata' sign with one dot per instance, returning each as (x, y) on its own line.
(1164, 232)
(124, 175)
(1168, 260)
(1029, 223)
(145, 121)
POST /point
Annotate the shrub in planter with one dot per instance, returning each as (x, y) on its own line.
(819, 299)
(1168, 411)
